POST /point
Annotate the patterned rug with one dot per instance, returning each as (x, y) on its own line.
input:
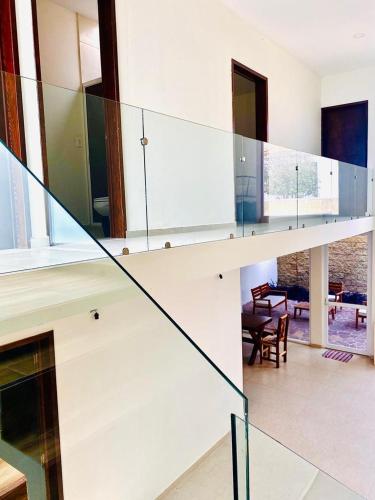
(341, 332)
(345, 357)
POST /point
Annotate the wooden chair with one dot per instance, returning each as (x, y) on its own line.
(266, 298)
(270, 343)
(360, 314)
(335, 292)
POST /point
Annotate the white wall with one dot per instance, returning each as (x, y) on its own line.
(175, 58)
(189, 173)
(89, 46)
(350, 87)
(206, 307)
(133, 394)
(64, 107)
(255, 275)
(58, 45)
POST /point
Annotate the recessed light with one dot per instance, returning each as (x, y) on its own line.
(359, 35)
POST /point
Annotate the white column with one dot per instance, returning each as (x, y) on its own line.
(30, 102)
(318, 295)
(371, 292)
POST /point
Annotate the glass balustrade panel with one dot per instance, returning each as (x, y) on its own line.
(126, 377)
(317, 190)
(280, 199)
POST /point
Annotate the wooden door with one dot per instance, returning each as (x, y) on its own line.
(29, 414)
(345, 132)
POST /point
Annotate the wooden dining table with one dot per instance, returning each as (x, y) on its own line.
(254, 324)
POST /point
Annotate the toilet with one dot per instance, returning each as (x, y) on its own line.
(101, 206)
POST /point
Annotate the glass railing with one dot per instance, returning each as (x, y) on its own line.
(184, 183)
(96, 380)
(241, 461)
(277, 473)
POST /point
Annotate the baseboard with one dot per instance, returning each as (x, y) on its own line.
(230, 227)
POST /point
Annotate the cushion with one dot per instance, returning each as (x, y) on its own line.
(270, 338)
(260, 302)
(332, 298)
(274, 299)
(363, 312)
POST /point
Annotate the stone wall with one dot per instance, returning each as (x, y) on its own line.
(347, 264)
(294, 269)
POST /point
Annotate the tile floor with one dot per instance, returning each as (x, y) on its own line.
(276, 473)
(322, 409)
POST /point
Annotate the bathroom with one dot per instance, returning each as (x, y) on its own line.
(97, 160)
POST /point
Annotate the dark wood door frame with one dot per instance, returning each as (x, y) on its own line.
(44, 362)
(11, 112)
(261, 85)
(12, 117)
(42, 121)
(111, 91)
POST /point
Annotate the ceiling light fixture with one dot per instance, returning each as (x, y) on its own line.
(359, 35)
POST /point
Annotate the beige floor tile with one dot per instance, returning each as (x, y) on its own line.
(322, 409)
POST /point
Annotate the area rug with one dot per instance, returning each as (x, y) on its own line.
(337, 355)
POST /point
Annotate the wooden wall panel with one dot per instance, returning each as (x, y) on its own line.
(11, 88)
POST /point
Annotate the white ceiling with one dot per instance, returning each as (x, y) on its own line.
(87, 8)
(319, 32)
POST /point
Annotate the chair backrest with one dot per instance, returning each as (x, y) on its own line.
(335, 287)
(282, 328)
(260, 291)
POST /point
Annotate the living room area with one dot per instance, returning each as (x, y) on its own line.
(281, 286)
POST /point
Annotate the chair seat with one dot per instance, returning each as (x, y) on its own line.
(275, 300)
(269, 339)
(332, 298)
(362, 312)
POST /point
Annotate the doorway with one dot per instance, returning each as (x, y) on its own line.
(96, 145)
(85, 45)
(250, 128)
(345, 139)
(345, 133)
(29, 438)
(349, 262)
(250, 102)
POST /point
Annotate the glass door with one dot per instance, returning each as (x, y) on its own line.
(347, 300)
